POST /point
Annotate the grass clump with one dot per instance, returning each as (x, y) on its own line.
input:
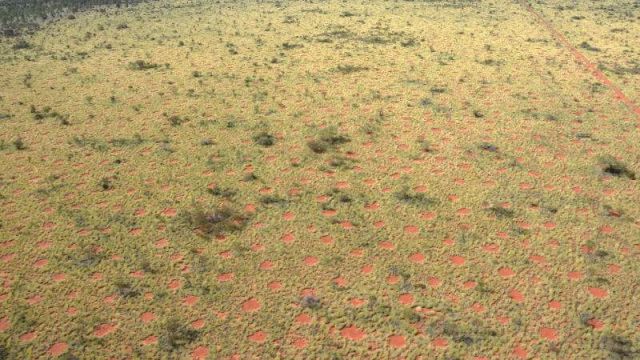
(125, 290)
(142, 65)
(328, 139)
(310, 302)
(613, 167)
(585, 45)
(618, 347)
(264, 139)
(105, 184)
(417, 199)
(175, 336)
(488, 147)
(21, 44)
(176, 120)
(501, 212)
(19, 144)
(273, 200)
(216, 221)
(350, 69)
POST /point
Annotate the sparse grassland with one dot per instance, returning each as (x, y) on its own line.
(326, 179)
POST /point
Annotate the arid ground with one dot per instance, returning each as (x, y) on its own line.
(323, 179)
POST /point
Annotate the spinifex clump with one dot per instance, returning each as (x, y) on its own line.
(217, 220)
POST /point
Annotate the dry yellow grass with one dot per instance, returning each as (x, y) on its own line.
(320, 180)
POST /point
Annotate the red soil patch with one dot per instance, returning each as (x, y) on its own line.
(387, 245)
(251, 305)
(258, 337)
(478, 308)
(353, 333)
(575, 275)
(440, 343)
(614, 268)
(417, 258)
(411, 229)
(311, 261)
(225, 277)
(405, 299)
(516, 296)
(161, 243)
(367, 269)
(548, 333)
(491, 248)
(469, 284)
(553, 304)
(340, 281)
(266, 265)
(393, 279)
(397, 341)
(429, 215)
(198, 324)
(329, 212)
(300, 343)
(303, 319)
(26, 337)
(606, 229)
(434, 282)
(288, 238)
(357, 252)
(595, 324)
(506, 272)
(598, 292)
(104, 330)
(40, 263)
(174, 284)
(147, 317)
(34, 299)
(372, 206)
(326, 239)
(150, 340)
(275, 285)
(288, 216)
(520, 352)
(200, 353)
(357, 302)
(190, 300)
(420, 189)
(58, 349)
(457, 260)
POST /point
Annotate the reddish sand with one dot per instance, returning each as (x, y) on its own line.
(104, 330)
(397, 341)
(440, 343)
(353, 333)
(147, 317)
(598, 292)
(251, 305)
(258, 337)
(200, 353)
(405, 299)
(548, 333)
(58, 349)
